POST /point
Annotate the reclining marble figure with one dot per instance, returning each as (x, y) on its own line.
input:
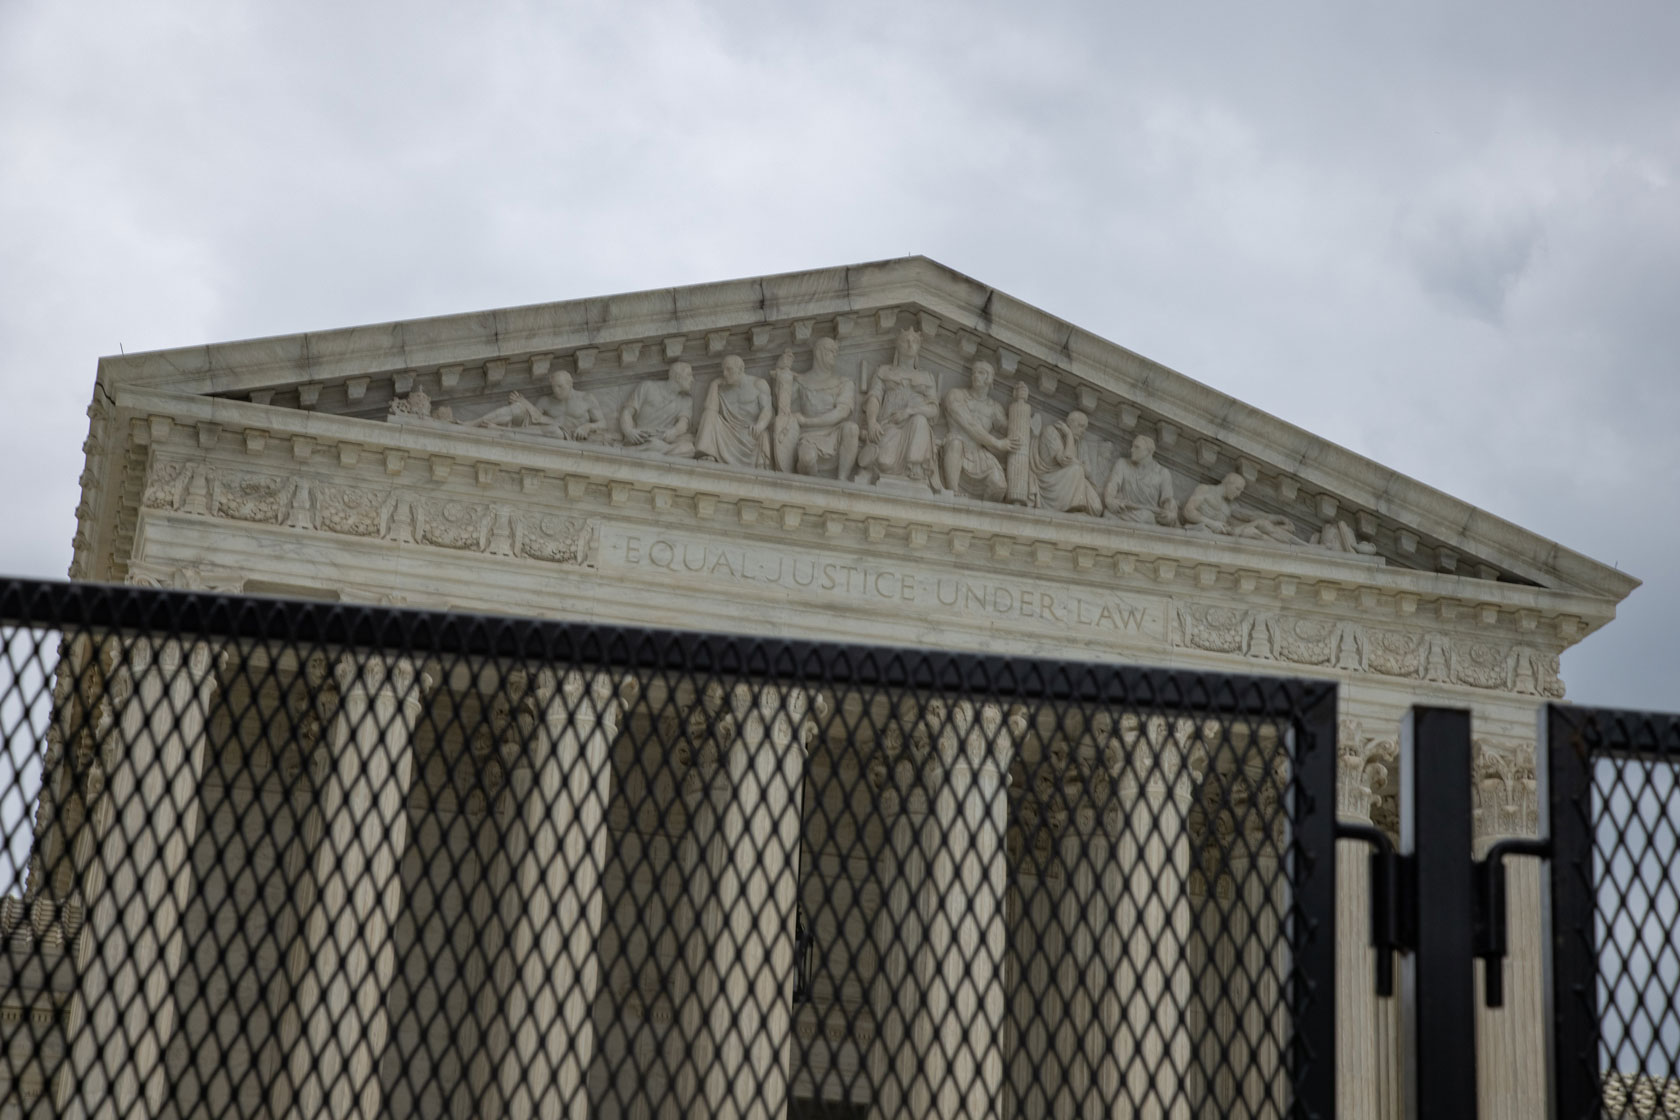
(1212, 509)
(565, 412)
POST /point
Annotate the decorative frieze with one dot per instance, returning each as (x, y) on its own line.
(491, 526)
(396, 513)
(1432, 656)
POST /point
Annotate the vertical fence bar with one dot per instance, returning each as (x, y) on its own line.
(1436, 758)
(1312, 926)
(1576, 1089)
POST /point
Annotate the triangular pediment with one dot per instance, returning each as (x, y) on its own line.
(1299, 492)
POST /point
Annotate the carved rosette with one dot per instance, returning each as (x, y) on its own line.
(1505, 790)
(354, 511)
(251, 496)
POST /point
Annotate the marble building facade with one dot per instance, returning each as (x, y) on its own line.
(885, 453)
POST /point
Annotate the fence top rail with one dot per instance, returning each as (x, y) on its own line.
(59, 604)
(1616, 732)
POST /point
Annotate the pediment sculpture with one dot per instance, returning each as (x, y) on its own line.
(890, 426)
(900, 407)
(564, 414)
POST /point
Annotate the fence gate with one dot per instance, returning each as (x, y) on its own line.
(283, 859)
(1615, 881)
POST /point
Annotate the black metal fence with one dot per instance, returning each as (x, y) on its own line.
(286, 859)
(1615, 882)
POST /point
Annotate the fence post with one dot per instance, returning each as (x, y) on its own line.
(1576, 1088)
(1436, 816)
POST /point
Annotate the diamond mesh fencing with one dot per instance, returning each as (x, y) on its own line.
(1615, 805)
(288, 859)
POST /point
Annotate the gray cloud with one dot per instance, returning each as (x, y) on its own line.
(1447, 237)
(1472, 263)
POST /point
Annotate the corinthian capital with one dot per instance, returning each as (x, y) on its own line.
(980, 736)
(371, 673)
(1505, 788)
(1159, 756)
(1363, 764)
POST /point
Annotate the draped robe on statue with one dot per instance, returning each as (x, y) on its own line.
(726, 431)
(1062, 482)
(657, 407)
(1137, 493)
(907, 446)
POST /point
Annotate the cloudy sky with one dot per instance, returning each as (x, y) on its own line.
(1444, 235)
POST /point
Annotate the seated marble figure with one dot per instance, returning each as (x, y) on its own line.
(898, 416)
(735, 423)
(1140, 490)
(814, 430)
(978, 434)
(656, 416)
(1059, 471)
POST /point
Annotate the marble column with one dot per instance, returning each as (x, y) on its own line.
(561, 846)
(346, 959)
(1084, 916)
(1257, 1068)
(295, 737)
(957, 1034)
(1511, 1069)
(1146, 994)
(734, 1029)
(1215, 1082)
(901, 963)
(753, 1022)
(1363, 762)
(697, 911)
(140, 879)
